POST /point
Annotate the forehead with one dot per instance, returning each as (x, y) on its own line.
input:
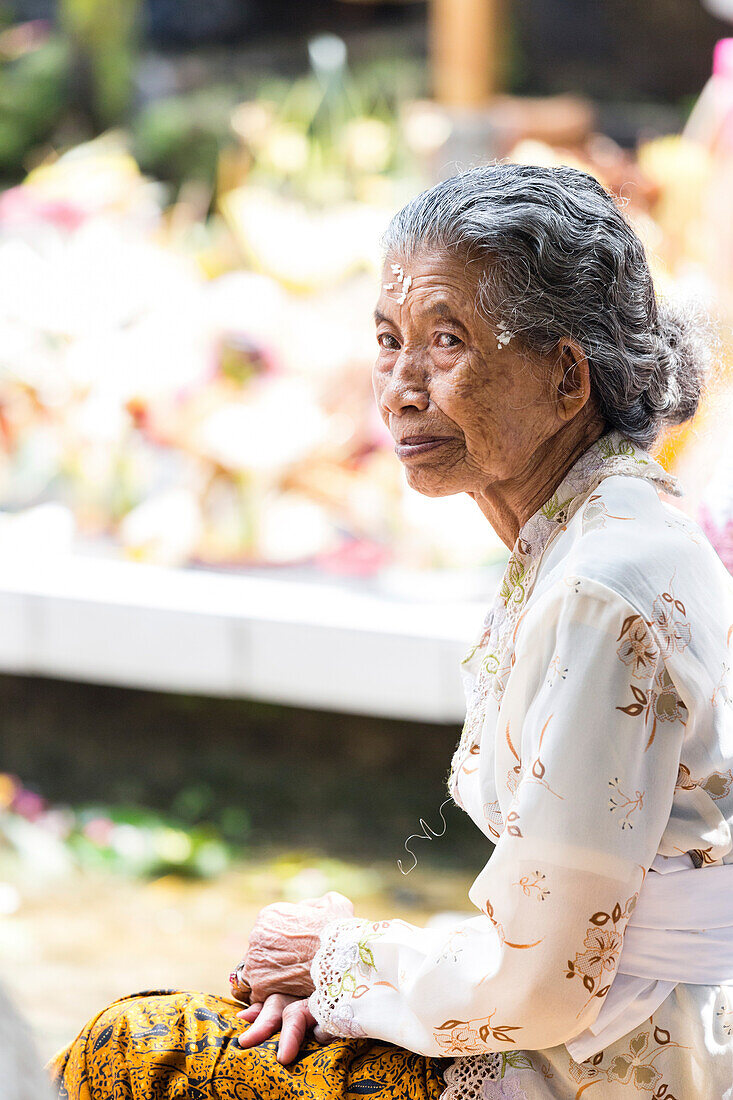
(440, 283)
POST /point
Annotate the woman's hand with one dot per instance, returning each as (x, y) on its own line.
(283, 942)
(289, 1015)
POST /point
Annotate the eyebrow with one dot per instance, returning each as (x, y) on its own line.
(436, 309)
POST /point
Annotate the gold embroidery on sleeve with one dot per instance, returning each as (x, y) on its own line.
(462, 1037)
(533, 882)
(602, 948)
(624, 802)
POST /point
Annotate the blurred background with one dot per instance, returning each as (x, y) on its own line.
(229, 634)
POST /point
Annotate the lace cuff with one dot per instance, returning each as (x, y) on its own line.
(470, 1078)
(338, 970)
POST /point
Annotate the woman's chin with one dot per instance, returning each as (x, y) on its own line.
(431, 483)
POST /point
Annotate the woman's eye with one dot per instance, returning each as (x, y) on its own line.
(384, 338)
(447, 340)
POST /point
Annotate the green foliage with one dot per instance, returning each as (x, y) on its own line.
(325, 130)
(129, 840)
(179, 138)
(140, 842)
(104, 38)
(33, 90)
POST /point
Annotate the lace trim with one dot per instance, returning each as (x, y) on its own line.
(465, 1078)
(338, 968)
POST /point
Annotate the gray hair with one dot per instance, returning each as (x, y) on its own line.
(559, 259)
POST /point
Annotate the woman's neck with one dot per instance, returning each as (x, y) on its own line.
(508, 505)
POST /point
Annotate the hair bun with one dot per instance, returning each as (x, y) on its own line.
(683, 360)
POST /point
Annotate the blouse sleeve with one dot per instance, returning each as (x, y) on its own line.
(589, 742)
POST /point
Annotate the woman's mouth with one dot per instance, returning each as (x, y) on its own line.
(417, 444)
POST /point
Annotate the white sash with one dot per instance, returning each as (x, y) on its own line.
(680, 931)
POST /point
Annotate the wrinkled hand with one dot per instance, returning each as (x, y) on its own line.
(283, 942)
(289, 1015)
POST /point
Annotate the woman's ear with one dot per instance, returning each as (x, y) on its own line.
(570, 378)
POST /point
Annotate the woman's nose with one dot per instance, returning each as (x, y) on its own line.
(405, 389)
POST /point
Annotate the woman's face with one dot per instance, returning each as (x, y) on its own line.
(443, 371)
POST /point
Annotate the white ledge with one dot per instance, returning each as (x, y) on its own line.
(271, 636)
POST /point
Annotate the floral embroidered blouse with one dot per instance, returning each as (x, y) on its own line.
(597, 746)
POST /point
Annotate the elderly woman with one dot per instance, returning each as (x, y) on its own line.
(523, 359)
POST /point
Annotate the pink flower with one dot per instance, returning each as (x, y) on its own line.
(98, 830)
(28, 804)
(20, 204)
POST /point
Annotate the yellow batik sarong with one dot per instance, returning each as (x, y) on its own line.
(165, 1044)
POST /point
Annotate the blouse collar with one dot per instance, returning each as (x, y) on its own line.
(612, 454)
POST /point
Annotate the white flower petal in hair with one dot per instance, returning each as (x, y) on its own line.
(503, 336)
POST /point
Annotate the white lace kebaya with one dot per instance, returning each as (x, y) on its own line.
(597, 750)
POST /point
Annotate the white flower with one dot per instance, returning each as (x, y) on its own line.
(345, 956)
(503, 336)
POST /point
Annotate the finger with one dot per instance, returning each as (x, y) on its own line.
(267, 1023)
(250, 1013)
(258, 1032)
(295, 1025)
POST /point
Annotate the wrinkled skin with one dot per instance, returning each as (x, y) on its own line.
(284, 939)
(516, 424)
(280, 951)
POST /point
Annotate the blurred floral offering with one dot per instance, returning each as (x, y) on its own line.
(190, 409)
(187, 379)
(42, 842)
